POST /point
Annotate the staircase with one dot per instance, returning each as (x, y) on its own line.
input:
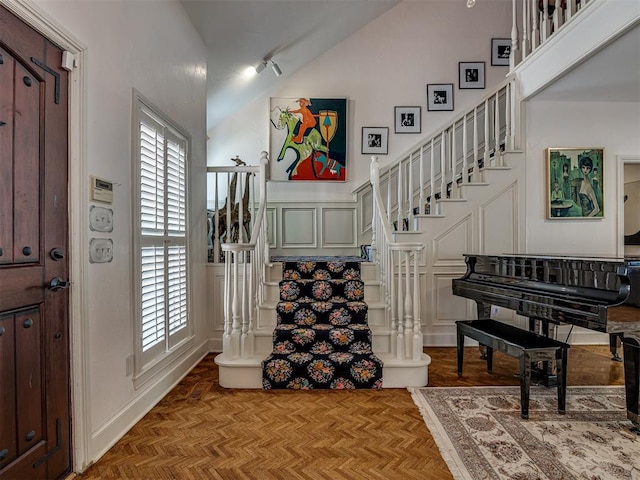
(322, 338)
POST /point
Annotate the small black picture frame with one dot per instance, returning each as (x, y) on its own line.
(500, 51)
(375, 140)
(440, 97)
(471, 75)
(408, 119)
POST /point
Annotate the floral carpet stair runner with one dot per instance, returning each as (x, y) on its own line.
(322, 339)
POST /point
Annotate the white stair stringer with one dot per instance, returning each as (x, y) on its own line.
(487, 219)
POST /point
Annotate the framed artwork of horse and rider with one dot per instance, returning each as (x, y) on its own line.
(308, 139)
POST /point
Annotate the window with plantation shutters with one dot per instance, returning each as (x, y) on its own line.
(161, 227)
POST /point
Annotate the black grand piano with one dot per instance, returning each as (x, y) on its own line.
(601, 294)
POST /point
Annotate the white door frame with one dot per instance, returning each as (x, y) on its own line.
(78, 213)
(621, 161)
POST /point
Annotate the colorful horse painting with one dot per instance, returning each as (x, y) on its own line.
(311, 149)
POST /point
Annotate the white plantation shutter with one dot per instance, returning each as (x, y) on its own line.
(162, 227)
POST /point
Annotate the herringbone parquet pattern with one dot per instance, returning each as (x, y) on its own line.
(201, 431)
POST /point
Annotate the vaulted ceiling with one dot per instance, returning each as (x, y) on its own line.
(241, 33)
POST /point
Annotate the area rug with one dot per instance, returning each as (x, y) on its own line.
(481, 435)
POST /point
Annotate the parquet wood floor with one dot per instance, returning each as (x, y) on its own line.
(202, 431)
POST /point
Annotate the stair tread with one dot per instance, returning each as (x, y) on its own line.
(322, 338)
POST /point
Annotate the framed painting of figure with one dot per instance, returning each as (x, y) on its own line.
(308, 139)
(574, 183)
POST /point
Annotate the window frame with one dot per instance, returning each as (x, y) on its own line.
(149, 362)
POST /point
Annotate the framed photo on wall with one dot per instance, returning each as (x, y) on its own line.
(574, 183)
(375, 140)
(471, 75)
(440, 96)
(407, 119)
(500, 51)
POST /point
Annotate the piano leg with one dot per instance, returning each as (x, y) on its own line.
(615, 341)
(632, 378)
(484, 313)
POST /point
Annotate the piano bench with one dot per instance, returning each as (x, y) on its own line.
(528, 347)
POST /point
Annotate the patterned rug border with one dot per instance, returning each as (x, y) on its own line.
(465, 458)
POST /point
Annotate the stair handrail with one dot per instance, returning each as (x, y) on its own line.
(244, 274)
(475, 139)
(400, 280)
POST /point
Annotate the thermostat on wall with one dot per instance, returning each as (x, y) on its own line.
(101, 190)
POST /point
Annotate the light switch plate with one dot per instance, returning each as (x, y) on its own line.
(101, 219)
(100, 250)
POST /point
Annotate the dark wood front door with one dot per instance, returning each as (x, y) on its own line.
(34, 317)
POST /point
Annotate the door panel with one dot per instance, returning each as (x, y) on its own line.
(29, 391)
(8, 436)
(34, 346)
(26, 145)
(6, 162)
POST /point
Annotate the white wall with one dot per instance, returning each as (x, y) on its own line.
(387, 63)
(612, 125)
(152, 47)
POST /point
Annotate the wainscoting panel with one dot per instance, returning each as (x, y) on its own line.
(338, 227)
(498, 222)
(447, 247)
(316, 229)
(449, 307)
(366, 207)
(298, 228)
(270, 216)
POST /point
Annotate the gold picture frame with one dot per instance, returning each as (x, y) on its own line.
(574, 183)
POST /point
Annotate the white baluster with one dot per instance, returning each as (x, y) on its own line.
(508, 113)
(432, 182)
(399, 198)
(410, 191)
(496, 130)
(417, 321)
(514, 36)
(400, 354)
(487, 142)
(235, 307)
(525, 30)
(535, 33)
(226, 336)
(443, 167)
(392, 304)
(422, 196)
(465, 151)
(454, 161)
(475, 144)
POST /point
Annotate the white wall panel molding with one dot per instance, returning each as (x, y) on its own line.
(338, 227)
(365, 207)
(446, 307)
(324, 228)
(448, 246)
(498, 222)
(271, 215)
(298, 227)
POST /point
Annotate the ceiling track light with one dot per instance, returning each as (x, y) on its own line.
(471, 3)
(261, 66)
(268, 61)
(275, 67)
